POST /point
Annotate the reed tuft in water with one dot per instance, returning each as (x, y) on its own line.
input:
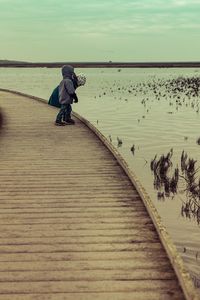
(180, 180)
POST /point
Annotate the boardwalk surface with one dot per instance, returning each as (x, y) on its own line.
(72, 226)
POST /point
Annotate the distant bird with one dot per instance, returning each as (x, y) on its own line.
(198, 141)
(110, 138)
(133, 149)
(119, 142)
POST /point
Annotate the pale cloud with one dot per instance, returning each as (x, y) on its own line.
(187, 3)
(60, 21)
(103, 16)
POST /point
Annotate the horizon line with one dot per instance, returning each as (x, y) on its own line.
(101, 64)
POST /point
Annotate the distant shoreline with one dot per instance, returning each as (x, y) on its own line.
(11, 64)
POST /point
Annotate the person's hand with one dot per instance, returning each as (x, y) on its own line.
(74, 96)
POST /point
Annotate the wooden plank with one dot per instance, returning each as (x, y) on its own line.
(143, 264)
(139, 295)
(154, 250)
(75, 247)
(86, 275)
(71, 210)
(22, 204)
(88, 286)
(80, 239)
(62, 220)
(54, 232)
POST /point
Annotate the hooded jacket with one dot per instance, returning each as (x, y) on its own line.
(54, 98)
(66, 86)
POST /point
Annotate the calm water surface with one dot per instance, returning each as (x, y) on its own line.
(121, 105)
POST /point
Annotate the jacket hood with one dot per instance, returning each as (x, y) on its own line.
(67, 71)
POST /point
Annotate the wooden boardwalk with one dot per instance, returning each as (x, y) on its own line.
(72, 226)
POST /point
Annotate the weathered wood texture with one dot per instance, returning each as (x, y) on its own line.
(72, 226)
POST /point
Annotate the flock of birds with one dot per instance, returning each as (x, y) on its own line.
(178, 92)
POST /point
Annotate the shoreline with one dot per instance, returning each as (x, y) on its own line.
(102, 65)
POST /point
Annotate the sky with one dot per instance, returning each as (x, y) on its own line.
(100, 30)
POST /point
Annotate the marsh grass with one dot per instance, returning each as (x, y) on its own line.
(184, 179)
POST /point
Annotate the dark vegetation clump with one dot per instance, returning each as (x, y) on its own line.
(162, 176)
(198, 141)
(169, 181)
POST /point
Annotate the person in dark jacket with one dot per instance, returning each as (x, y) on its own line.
(66, 96)
(80, 80)
(54, 98)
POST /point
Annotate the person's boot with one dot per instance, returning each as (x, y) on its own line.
(59, 123)
(69, 121)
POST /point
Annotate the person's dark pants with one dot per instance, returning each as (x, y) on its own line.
(64, 113)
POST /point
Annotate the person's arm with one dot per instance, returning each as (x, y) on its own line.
(75, 81)
(71, 90)
(74, 96)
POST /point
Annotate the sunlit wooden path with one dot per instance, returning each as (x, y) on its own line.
(72, 226)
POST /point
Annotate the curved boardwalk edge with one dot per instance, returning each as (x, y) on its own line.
(176, 261)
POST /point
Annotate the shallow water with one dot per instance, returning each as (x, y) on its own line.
(122, 106)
